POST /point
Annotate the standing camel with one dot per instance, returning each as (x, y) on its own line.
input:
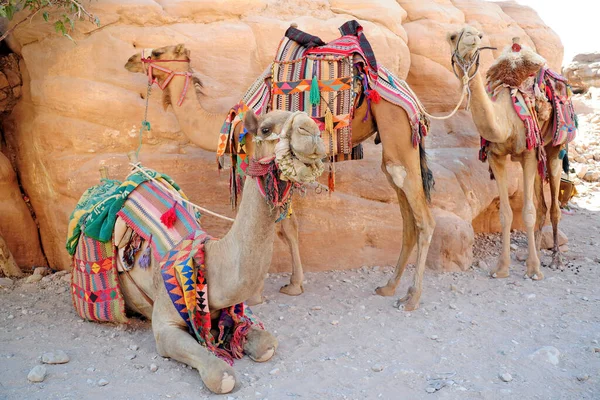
(506, 135)
(404, 166)
(237, 263)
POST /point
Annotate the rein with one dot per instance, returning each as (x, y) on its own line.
(152, 64)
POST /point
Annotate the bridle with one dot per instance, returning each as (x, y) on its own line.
(466, 65)
(150, 64)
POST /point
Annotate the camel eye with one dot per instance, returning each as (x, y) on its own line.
(265, 131)
(156, 53)
(480, 36)
(453, 37)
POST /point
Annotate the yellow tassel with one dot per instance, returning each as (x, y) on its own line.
(329, 121)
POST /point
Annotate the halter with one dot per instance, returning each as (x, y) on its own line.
(466, 66)
(277, 192)
(152, 64)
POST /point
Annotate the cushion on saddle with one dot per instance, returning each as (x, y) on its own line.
(320, 79)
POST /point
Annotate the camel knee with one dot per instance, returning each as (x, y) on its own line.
(396, 174)
(506, 216)
(529, 215)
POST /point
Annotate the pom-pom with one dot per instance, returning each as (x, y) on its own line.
(374, 96)
(169, 217)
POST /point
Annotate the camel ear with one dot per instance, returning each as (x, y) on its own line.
(180, 49)
(251, 122)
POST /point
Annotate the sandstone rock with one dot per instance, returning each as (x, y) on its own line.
(583, 72)
(43, 271)
(581, 171)
(6, 282)
(72, 141)
(33, 278)
(549, 354)
(55, 357)
(592, 176)
(548, 239)
(37, 374)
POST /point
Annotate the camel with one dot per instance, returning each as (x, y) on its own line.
(404, 166)
(499, 124)
(237, 263)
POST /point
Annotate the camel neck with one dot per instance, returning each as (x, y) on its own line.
(200, 126)
(482, 109)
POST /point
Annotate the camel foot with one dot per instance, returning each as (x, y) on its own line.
(535, 275)
(410, 302)
(256, 299)
(219, 377)
(292, 289)
(385, 291)
(557, 261)
(500, 273)
(260, 345)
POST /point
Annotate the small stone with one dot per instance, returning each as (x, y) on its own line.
(583, 377)
(10, 316)
(33, 278)
(377, 368)
(43, 271)
(61, 273)
(61, 290)
(130, 356)
(506, 377)
(134, 347)
(592, 176)
(581, 171)
(585, 298)
(513, 246)
(274, 371)
(91, 369)
(138, 366)
(55, 357)
(6, 282)
(433, 337)
(530, 296)
(102, 382)
(47, 278)
(317, 308)
(430, 390)
(521, 256)
(596, 349)
(67, 277)
(335, 322)
(482, 264)
(549, 354)
(153, 367)
(37, 374)
(452, 306)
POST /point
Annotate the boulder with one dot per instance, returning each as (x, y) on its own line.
(583, 72)
(81, 109)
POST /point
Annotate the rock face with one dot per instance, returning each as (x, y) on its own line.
(583, 72)
(82, 109)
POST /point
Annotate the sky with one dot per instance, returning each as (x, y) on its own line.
(575, 21)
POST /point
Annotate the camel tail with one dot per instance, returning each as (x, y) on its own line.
(426, 174)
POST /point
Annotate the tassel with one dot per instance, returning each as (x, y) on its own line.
(315, 96)
(374, 95)
(331, 180)
(329, 121)
(169, 217)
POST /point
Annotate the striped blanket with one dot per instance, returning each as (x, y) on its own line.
(319, 78)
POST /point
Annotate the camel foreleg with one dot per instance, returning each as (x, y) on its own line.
(529, 163)
(288, 232)
(554, 173)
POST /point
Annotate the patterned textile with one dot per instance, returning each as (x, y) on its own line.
(142, 212)
(546, 86)
(94, 282)
(180, 251)
(89, 200)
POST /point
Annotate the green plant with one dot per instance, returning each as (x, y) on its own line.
(72, 11)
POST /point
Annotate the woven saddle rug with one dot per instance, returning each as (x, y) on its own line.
(321, 79)
(536, 91)
(177, 240)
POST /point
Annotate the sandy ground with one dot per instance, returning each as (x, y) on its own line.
(340, 341)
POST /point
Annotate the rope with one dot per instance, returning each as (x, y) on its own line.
(178, 197)
(465, 82)
(145, 124)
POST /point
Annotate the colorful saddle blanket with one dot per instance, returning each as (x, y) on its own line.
(320, 79)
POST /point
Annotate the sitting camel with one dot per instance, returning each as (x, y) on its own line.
(510, 81)
(237, 263)
(404, 166)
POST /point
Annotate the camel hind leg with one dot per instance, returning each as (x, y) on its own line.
(530, 165)
(498, 166)
(554, 173)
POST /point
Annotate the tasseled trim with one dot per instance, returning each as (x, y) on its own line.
(170, 216)
(315, 95)
(131, 249)
(374, 96)
(236, 345)
(331, 178)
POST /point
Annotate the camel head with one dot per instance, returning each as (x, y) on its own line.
(293, 138)
(175, 58)
(465, 43)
